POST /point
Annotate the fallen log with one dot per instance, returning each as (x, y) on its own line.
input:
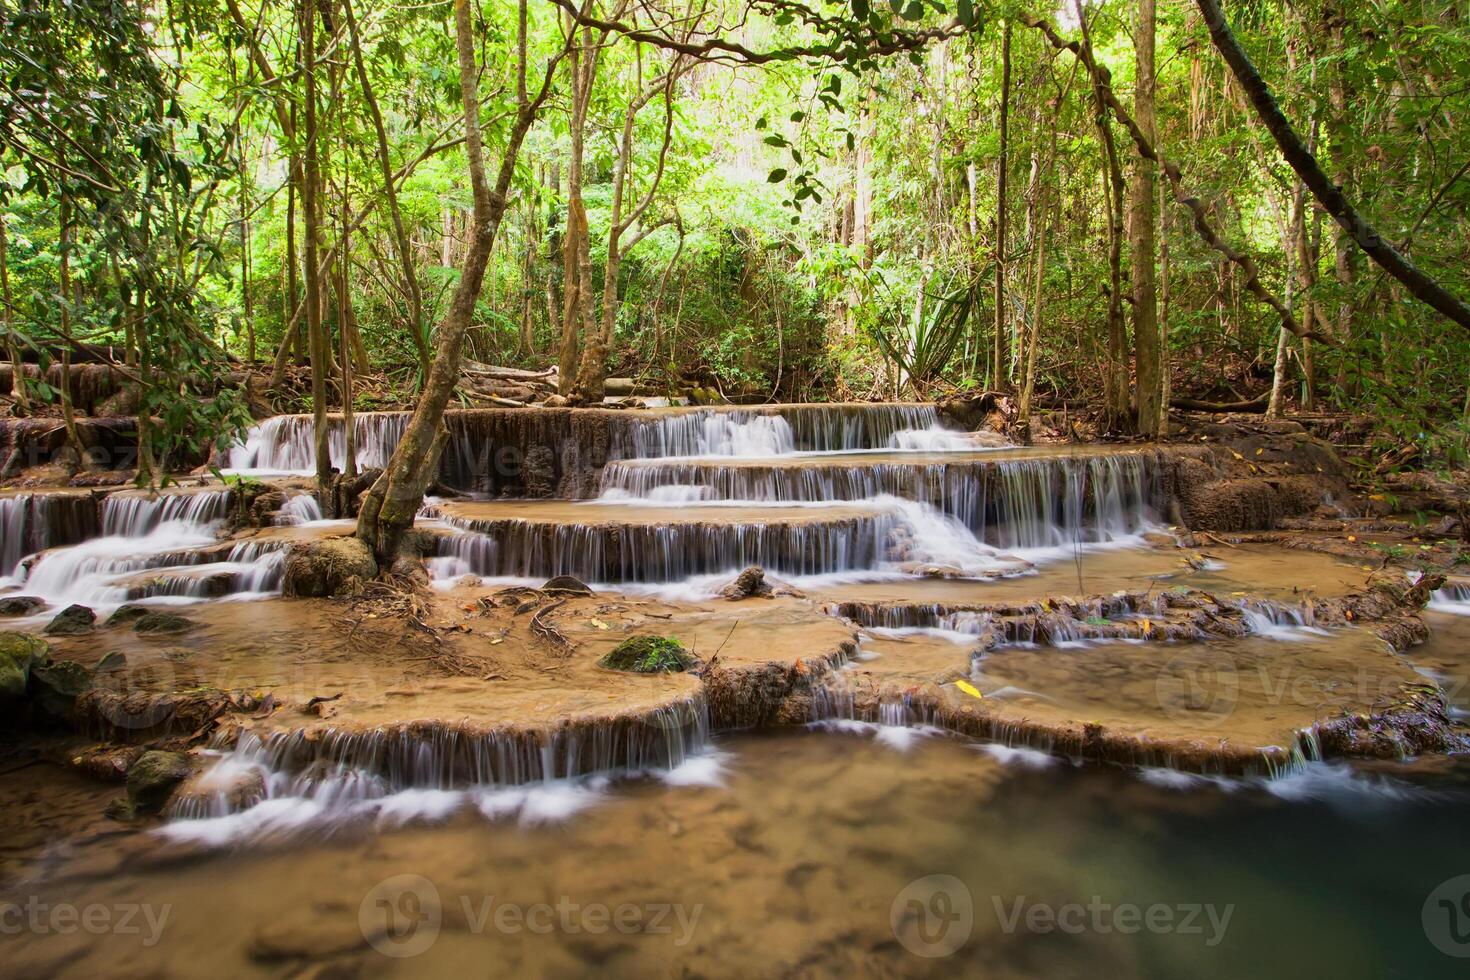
(1195, 405)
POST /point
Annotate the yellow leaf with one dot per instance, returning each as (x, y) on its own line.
(600, 624)
(1261, 450)
(968, 688)
(1236, 454)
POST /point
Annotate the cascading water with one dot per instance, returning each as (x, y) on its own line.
(290, 780)
(171, 534)
(286, 443)
(778, 431)
(1045, 502)
(131, 515)
(34, 522)
(303, 508)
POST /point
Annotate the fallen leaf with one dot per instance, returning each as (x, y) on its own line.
(969, 689)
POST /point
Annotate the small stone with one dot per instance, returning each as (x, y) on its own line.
(121, 810)
(127, 613)
(112, 662)
(566, 583)
(71, 621)
(749, 583)
(164, 622)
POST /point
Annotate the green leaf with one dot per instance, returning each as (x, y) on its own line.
(777, 175)
(913, 11)
(965, 12)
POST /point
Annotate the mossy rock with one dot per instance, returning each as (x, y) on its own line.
(20, 653)
(71, 621)
(164, 622)
(127, 613)
(154, 777)
(649, 655)
(55, 686)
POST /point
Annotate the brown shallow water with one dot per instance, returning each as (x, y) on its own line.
(801, 860)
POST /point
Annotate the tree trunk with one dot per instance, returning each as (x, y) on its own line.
(17, 373)
(401, 245)
(311, 185)
(1328, 194)
(388, 508)
(998, 352)
(1148, 352)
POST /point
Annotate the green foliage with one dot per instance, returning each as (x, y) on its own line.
(648, 655)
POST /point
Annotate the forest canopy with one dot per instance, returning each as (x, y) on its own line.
(764, 200)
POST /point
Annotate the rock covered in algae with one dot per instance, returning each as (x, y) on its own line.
(20, 653)
(649, 655)
(72, 620)
(127, 613)
(154, 777)
(332, 566)
(163, 622)
(55, 686)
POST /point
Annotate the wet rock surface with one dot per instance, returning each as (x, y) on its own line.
(71, 620)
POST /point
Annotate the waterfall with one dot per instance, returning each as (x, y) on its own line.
(1036, 503)
(171, 534)
(302, 508)
(1452, 598)
(890, 534)
(776, 431)
(287, 443)
(133, 515)
(288, 780)
(32, 522)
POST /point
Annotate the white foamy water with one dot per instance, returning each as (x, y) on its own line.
(938, 440)
(1018, 756)
(296, 806)
(300, 509)
(162, 533)
(1451, 599)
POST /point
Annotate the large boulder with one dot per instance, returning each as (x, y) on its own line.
(72, 620)
(331, 566)
(20, 653)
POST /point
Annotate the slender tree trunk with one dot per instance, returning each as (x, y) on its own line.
(1165, 369)
(17, 368)
(998, 353)
(402, 249)
(388, 509)
(1148, 350)
(288, 334)
(311, 186)
(1117, 410)
(68, 416)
